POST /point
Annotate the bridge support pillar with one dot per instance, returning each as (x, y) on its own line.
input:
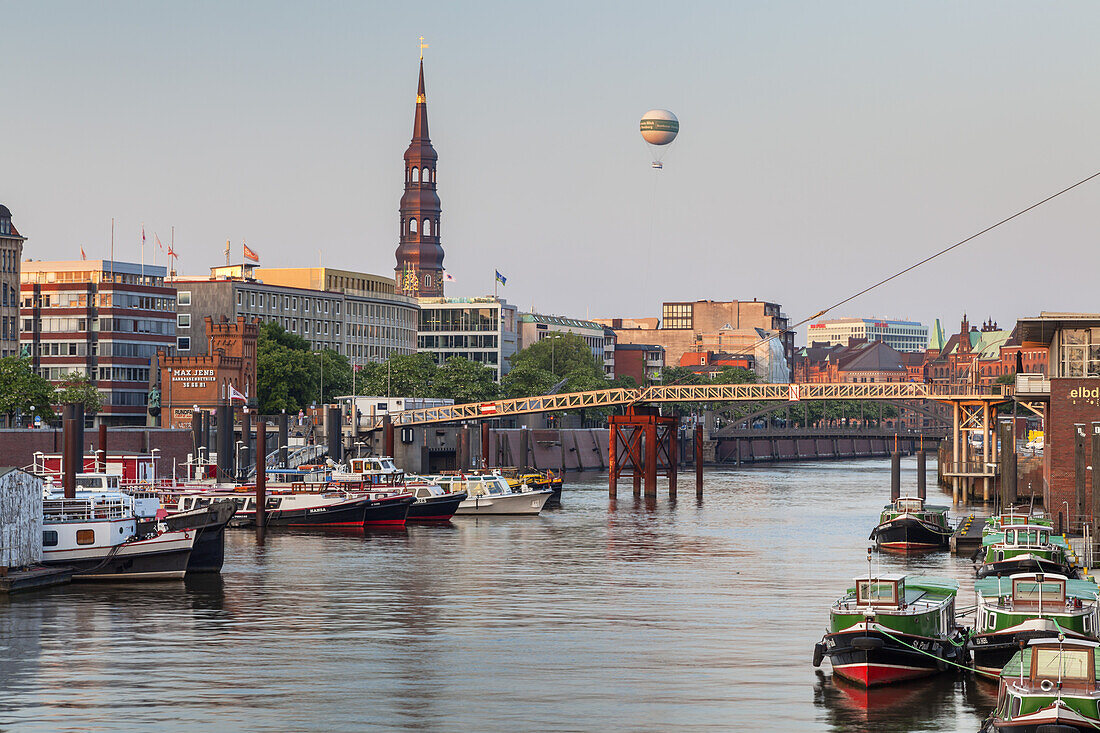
(673, 458)
(955, 452)
(644, 438)
(651, 461)
(612, 463)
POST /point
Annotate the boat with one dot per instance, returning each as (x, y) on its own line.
(533, 479)
(489, 494)
(891, 628)
(97, 534)
(335, 507)
(1027, 606)
(1025, 548)
(433, 503)
(1048, 686)
(1015, 516)
(908, 524)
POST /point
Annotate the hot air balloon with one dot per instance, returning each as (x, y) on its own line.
(659, 128)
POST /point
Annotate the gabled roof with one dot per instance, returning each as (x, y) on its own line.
(936, 339)
(873, 357)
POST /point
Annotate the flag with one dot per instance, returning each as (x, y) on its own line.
(235, 395)
(157, 240)
(227, 251)
(82, 254)
(142, 235)
(501, 279)
(448, 277)
(172, 253)
(249, 254)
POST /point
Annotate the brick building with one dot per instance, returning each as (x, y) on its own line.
(11, 254)
(103, 319)
(642, 362)
(204, 380)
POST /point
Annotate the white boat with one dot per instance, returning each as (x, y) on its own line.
(102, 536)
(490, 494)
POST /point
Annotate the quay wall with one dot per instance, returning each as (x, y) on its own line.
(773, 449)
(18, 445)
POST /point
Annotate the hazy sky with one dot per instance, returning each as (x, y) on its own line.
(822, 144)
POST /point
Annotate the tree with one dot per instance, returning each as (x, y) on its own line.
(76, 387)
(465, 381)
(405, 375)
(21, 389)
(561, 354)
(288, 372)
(527, 380)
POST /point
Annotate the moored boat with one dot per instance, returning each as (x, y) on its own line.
(908, 524)
(489, 494)
(892, 628)
(1048, 686)
(97, 534)
(1027, 606)
(433, 503)
(1025, 548)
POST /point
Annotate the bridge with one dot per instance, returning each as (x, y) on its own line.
(974, 409)
(658, 394)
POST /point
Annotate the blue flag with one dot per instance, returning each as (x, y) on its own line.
(501, 279)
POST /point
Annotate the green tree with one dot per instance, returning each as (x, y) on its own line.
(526, 380)
(288, 372)
(21, 389)
(406, 375)
(76, 387)
(561, 354)
(465, 381)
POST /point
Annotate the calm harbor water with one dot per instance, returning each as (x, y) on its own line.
(595, 616)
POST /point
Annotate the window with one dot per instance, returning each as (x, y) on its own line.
(85, 537)
(412, 226)
(678, 316)
(183, 320)
(183, 343)
(184, 297)
(49, 538)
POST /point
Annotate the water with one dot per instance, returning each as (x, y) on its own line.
(696, 616)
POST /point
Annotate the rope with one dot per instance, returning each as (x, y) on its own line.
(938, 658)
(926, 260)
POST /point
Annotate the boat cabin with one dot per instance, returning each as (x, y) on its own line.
(1026, 535)
(130, 468)
(909, 504)
(882, 590)
(1055, 663)
(373, 465)
(481, 485)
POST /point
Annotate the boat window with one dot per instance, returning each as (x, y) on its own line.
(909, 504)
(85, 537)
(1014, 707)
(476, 489)
(877, 591)
(273, 503)
(423, 493)
(1088, 623)
(1010, 537)
(1043, 538)
(1052, 663)
(49, 538)
(1029, 591)
(991, 622)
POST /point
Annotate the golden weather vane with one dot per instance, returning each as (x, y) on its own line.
(422, 47)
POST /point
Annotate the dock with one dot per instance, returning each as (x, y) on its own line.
(968, 536)
(15, 581)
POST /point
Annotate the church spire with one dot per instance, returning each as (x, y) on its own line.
(419, 269)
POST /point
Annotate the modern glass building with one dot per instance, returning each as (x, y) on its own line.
(899, 335)
(479, 329)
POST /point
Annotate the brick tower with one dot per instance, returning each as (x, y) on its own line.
(419, 270)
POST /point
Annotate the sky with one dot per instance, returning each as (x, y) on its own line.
(822, 146)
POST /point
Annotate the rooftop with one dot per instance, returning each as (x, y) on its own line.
(559, 321)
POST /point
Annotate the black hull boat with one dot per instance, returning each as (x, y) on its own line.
(870, 658)
(908, 534)
(388, 510)
(435, 508)
(1025, 564)
(208, 554)
(347, 513)
(159, 558)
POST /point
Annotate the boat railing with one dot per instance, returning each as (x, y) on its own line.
(85, 510)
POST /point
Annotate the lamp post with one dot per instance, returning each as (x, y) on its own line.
(321, 396)
(171, 422)
(237, 461)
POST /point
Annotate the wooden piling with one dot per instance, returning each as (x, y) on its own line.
(261, 474)
(101, 448)
(922, 474)
(612, 462)
(673, 457)
(68, 463)
(1095, 483)
(284, 439)
(387, 435)
(895, 475)
(524, 448)
(699, 461)
(484, 444)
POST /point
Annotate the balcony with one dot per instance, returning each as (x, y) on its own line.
(1032, 386)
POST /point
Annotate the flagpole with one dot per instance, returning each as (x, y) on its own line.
(143, 253)
(172, 247)
(112, 249)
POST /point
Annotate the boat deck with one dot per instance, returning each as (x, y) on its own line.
(38, 577)
(968, 537)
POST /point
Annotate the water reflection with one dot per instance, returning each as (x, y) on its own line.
(633, 614)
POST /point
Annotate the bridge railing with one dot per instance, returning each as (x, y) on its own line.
(692, 393)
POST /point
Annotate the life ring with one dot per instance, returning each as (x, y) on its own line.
(1046, 685)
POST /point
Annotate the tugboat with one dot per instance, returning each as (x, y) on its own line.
(908, 524)
(1029, 606)
(892, 628)
(97, 533)
(1049, 686)
(1024, 548)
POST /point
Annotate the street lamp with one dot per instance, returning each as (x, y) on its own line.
(237, 461)
(321, 358)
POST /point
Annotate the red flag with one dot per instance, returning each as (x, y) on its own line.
(157, 240)
(82, 254)
(249, 254)
(171, 252)
(143, 234)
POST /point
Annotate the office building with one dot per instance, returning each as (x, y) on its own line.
(899, 335)
(479, 329)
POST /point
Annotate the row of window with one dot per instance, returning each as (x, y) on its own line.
(460, 319)
(90, 276)
(425, 228)
(95, 348)
(100, 300)
(457, 342)
(414, 175)
(104, 325)
(123, 374)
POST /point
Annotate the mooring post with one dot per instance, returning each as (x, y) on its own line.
(922, 474)
(284, 439)
(1079, 458)
(636, 459)
(699, 461)
(612, 463)
(387, 435)
(246, 440)
(68, 474)
(1095, 483)
(524, 447)
(484, 444)
(895, 475)
(955, 453)
(673, 453)
(261, 474)
(101, 452)
(196, 434)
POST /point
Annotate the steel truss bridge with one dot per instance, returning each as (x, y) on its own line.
(952, 394)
